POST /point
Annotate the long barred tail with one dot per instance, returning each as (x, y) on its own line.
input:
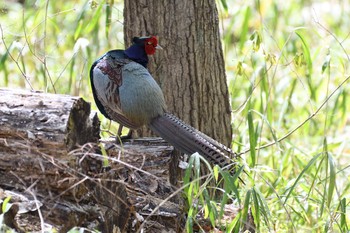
(189, 140)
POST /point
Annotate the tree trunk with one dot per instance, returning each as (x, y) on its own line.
(190, 69)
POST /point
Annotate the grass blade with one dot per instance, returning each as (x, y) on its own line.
(332, 177)
(246, 205)
(252, 139)
(342, 207)
(224, 5)
(256, 209)
(109, 7)
(291, 189)
(245, 28)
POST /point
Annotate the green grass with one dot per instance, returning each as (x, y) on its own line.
(288, 82)
(287, 68)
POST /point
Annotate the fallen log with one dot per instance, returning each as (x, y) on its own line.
(36, 125)
(50, 153)
(37, 133)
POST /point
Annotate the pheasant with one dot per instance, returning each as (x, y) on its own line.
(125, 92)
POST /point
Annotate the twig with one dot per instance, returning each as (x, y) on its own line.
(44, 61)
(16, 62)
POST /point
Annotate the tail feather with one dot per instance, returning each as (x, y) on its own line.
(189, 140)
(215, 143)
(171, 134)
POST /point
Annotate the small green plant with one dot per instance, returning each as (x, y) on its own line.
(5, 206)
(205, 200)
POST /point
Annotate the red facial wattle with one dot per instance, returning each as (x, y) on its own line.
(150, 45)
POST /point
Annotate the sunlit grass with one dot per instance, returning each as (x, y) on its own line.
(288, 81)
(286, 65)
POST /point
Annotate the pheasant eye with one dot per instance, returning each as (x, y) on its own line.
(152, 40)
(150, 45)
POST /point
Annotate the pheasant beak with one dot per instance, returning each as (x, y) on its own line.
(158, 47)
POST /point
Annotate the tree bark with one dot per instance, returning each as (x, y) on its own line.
(190, 69)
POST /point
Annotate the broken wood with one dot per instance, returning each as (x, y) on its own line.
(145, 170)
(37, 125)
(50, 153)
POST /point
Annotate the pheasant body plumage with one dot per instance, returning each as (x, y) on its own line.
(124, 91)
